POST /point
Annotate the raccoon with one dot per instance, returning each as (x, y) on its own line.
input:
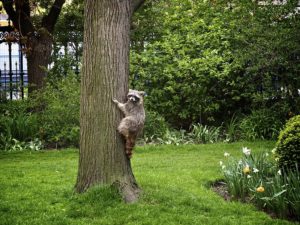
(133, 122)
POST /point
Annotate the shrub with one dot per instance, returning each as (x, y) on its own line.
(58, 111)
(288, 144)
(261, 124)
(155, 126)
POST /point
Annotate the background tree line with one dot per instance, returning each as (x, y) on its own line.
(207, 61)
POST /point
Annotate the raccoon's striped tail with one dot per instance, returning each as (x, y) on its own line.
(130, 142)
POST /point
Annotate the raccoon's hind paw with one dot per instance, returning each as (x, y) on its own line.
(129, 153)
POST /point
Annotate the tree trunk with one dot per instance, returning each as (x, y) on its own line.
(105, 74)
(38, 50)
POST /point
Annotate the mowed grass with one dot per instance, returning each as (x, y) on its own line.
(37, 188)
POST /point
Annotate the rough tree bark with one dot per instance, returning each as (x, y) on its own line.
(105, 75)
(37, 38)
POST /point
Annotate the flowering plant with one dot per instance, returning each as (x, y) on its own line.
(246, 151)
(256, 178)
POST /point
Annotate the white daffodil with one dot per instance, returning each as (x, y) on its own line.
(221, 163)
(273, 151)
(255, 170)
(279, 172)
(240, 162)
(246, 151)
(267, 154)
(226, 154)
(223, 167)
(248, 176)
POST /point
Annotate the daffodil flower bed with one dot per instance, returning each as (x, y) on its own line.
(256, 178)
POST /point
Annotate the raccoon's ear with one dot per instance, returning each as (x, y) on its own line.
(142, 93)
(130, 90)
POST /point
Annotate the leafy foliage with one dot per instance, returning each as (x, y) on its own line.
(205, 134)
(206, 61)
(59, 114)
(68, 36)
(232, 129)
(155, 126)
(17, 125)
(175, 137)
(256, 178)
(261, 124)
(175, 70)
(288, 145)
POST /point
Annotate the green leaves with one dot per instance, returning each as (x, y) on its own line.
(288, 145)
(180, 69)
(215, 57)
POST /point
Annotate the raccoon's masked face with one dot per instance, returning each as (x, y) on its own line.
(135, 96)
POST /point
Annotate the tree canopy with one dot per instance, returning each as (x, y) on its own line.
(203, 61)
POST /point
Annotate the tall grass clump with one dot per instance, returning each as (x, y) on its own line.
(261, 124)
(232, 129)
(19, 127)
(16, 121)
(205, 134)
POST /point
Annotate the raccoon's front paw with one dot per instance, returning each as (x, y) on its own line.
(115, 100)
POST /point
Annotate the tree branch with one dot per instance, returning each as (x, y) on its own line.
(50, 20)
(136, 4)
(19, 16)
(8, 6)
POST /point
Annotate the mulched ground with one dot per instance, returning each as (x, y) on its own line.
(221, 189)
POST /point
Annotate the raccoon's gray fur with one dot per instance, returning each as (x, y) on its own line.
(133, 122)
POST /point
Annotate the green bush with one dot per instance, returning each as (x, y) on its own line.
(155, 126)
(288, 144)
(58, 112)
(261, 124)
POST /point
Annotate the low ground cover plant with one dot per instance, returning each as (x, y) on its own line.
(256, 178)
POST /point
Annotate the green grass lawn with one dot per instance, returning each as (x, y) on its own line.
(37, 188)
